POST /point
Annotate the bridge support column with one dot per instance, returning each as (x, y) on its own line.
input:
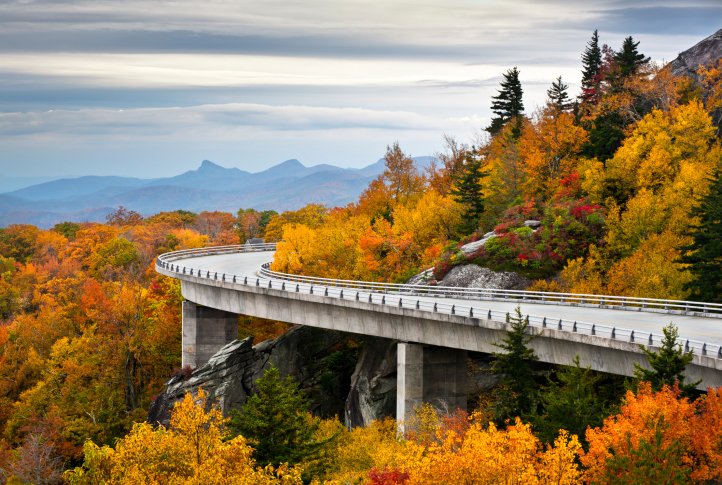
(435, 375)
(205, 331)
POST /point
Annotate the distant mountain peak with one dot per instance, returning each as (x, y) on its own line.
(207, 166)
(291, 163)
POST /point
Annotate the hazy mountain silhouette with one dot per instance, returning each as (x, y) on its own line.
(286, 186)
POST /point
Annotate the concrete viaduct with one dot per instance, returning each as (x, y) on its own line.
(435, 326)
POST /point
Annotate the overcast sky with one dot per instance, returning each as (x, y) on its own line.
(148, 88)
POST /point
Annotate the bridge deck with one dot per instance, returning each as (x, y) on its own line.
(690, 327)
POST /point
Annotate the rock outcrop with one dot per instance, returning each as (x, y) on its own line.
(474, 276)
(319, 360)
(373, 384)
(705, 53)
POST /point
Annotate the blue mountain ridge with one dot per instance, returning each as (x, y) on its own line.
(286, 186)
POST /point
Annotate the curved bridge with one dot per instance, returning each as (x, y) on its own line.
(605, 331)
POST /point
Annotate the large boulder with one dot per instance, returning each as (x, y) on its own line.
(319, 360)
(474, 276)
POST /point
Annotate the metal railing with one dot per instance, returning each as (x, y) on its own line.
(410, 297)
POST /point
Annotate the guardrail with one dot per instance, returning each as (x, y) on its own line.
(402, 296)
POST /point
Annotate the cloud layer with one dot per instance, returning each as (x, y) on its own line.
(246, 82)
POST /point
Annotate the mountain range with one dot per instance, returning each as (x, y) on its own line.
(286, 186)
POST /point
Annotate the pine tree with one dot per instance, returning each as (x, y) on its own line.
(558, 97)
(704, 254)
(667, 364)
(570, 402)
(276, 421)
(508, 104)
(629, 60)
(517, 394)
(469, 191)
(591, 70)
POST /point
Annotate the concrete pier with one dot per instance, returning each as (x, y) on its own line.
(205, 331)
(434, 375)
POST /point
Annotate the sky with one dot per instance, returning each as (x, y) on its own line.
(150, 88)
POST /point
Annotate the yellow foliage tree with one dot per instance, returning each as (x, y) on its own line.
(549, 145)
(192, 450)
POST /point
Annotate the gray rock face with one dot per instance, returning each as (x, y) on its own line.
(473, 276)
(473, 246)
(373, 384)
(423, 278)
(704, 53)
(229, 375)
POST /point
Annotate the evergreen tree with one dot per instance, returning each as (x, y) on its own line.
(629, 59)
(705, 252)
(591, 70)
(508, 104)
(517, 394)
(570, 402)
(276, 421)
(558, 97)
(469, 191)
(667, 364)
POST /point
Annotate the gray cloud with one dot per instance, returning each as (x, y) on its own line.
(258, 82)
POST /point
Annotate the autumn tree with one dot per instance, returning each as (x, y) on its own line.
(123, 217)
(591, 70)
(704, 253)
(276, 422)
(452, 161)
(507, 105)
(195, 448)
(657, 434)
(400, 174)
(558, 97)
